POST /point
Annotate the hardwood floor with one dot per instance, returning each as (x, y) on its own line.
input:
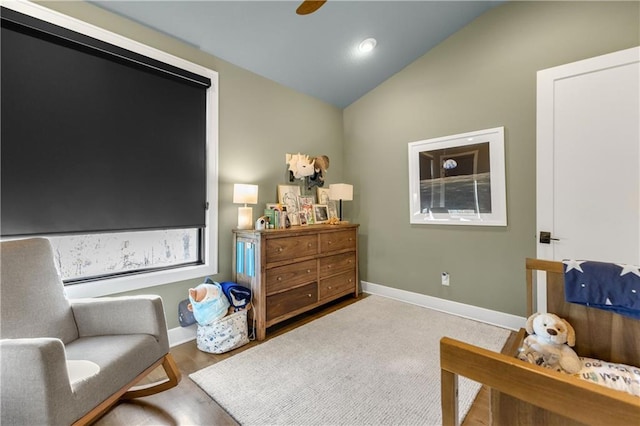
(187, 404)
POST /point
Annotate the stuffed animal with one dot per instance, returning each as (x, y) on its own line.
(312, 169)
(548, 343)
(208, 302)
(300, 165)
(321, 164)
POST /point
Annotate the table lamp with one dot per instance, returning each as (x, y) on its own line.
(341, 191)
(245, 194)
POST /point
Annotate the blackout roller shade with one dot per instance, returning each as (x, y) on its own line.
(94, 137)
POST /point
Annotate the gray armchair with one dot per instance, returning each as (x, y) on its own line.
(68, 361)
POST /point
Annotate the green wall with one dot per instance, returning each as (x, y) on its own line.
(481, 77)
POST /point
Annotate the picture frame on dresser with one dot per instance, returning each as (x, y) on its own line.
(320, 213)
(302, 219)
(323, 195)
(294, 218)
(332, 205)
(288, 197)
(305, 204)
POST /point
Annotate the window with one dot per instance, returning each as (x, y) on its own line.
(85, 257)
(100, 259)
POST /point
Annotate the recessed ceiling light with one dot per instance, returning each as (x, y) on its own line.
(367, 45)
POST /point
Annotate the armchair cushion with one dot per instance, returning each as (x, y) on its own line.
(119, 357)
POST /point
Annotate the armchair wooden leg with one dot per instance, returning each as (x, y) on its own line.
(129, 392)
(173, 378)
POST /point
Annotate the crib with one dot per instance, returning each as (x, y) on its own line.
(527, 394)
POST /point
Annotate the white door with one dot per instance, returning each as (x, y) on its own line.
(588, 159)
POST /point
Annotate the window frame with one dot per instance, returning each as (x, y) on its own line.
(124, 283)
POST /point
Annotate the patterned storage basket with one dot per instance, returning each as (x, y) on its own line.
(227, 333)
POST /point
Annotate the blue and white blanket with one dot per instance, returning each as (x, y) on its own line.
(609, 286)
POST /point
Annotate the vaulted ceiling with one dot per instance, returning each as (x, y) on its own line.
(316, 54)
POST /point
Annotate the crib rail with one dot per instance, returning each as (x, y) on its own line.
(560, 393)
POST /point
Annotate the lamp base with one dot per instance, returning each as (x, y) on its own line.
(245, 218)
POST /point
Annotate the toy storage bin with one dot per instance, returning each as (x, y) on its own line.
(224, 335)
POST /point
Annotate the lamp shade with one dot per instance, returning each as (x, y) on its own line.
(245, 194)
(341, 191)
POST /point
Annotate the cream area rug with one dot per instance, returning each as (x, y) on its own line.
(374, 362)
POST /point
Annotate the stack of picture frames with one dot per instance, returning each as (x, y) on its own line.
(305, 209)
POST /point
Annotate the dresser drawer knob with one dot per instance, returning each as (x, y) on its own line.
(280, 249)
(329, 287)
(329, 243)
(350, 280)
(309, 295)
(328, 266)
(309, 245)
(349, 261)
(279, 278)
(308, 271)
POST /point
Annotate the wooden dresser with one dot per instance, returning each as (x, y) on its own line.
(293, 270)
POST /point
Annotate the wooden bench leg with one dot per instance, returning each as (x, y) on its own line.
(449, 396)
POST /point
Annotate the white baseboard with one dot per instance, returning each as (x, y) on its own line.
(500, 319)
(180, 335)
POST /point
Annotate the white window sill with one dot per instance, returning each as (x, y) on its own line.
(137, 281)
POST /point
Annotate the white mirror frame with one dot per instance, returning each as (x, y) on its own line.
(486, 176)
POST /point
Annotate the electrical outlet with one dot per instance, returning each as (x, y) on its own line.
(445, 278)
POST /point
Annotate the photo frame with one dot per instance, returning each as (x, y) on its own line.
(302, 218)
(305, 204)
(458, 179)
(294, 218)
(320, 213)
(288, 197)
(323, 195)
(333, 209)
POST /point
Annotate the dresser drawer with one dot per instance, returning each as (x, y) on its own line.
(338, 263)
(287, 276)
(289, 301)
(278, 249)
(337, 284)
(334, 241)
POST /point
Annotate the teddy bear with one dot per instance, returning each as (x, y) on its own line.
(549, 343)
(208, 302)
